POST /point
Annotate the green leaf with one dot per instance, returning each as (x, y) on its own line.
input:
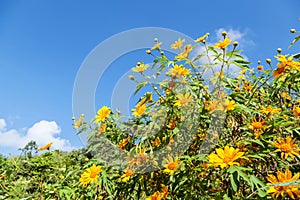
(232, 182)
(294, 41)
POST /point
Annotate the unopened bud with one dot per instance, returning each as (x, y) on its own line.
(138, 63)
(279, 50)
(268, 60)
(73, 118)
(293, 30)
(148, 51)
(224, 33)
(258, 62)
(131, 77)
(235, 44)
(162, 53)
(259, 67)
(155, 40)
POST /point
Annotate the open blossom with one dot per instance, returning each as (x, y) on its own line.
(284, 63)
(202, 38)
(177, 44)
(225, 157)
(141, 67)
(90, 175)
(102, 114)
(127, 174)
(187, 49)
(271, 110)
(284, 177)
(156, 46)
(47, 146)
(223, 44)
(178, 71)
(171, 165)
(287, 147)
(257, 126)
(183, 99)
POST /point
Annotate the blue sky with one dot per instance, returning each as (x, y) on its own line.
(43, 44)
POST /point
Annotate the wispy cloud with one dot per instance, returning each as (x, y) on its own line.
(42, 132)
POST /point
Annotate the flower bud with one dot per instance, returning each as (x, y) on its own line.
(258, 62)
(235, 44)
(162, 53)
(293, 30)
(131, 77)
(155, 40)
(148, 51)
(259, 67)
(224, 33)
(138, 63)
(268, 60)
(73, 118)
(279, 50)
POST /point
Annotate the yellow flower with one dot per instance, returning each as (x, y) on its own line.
(141, 67)
(291, 190)
(171, 165)
(156, 46)
(284, 63)
(2, 176)
(177, 71)
(225, 157)
(271, 110)
(155, 196)
(183, 99)
(78, 123)
(90, 175)
(202, 38)
(230, 105)
(127, 174)
(140, 109)
(102, 129)
(178, 44)
(286, 96)
(286, 147)
(156, 142)
(123, 143)
(102, 114)
(257, 126)
(223, 44)
(213, 105)
(47, 146)
(296, 111)
(187, 49)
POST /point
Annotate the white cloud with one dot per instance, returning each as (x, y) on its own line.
(42, 132)
(2, 124)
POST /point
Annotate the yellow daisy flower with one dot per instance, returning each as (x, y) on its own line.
(183, 99)
(127, 174)
(223, 44)
(271, 110)
(291, 190)
(78, 123)
(286, 147)
(177, 44)
(140, 67)
(47, 146)
(225, 157)
(90, 175)
(102, 114)
(171, 165)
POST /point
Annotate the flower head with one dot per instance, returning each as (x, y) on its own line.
(202, 38)
(90, 175)
(140, 109)
(258, 127)
(123, 143)
(140, 67)
(177, 44)
(187, 49)
(183, 99)
(127, 174)
(225, 157)
(271, 110)
(178, 71)
(171, 165)
(102, 114)
(223, 44)
(78, 123)
(47, 146)
(291, 190)
(296, 111)
(230, 105)
(156, 46)
(287, 147)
